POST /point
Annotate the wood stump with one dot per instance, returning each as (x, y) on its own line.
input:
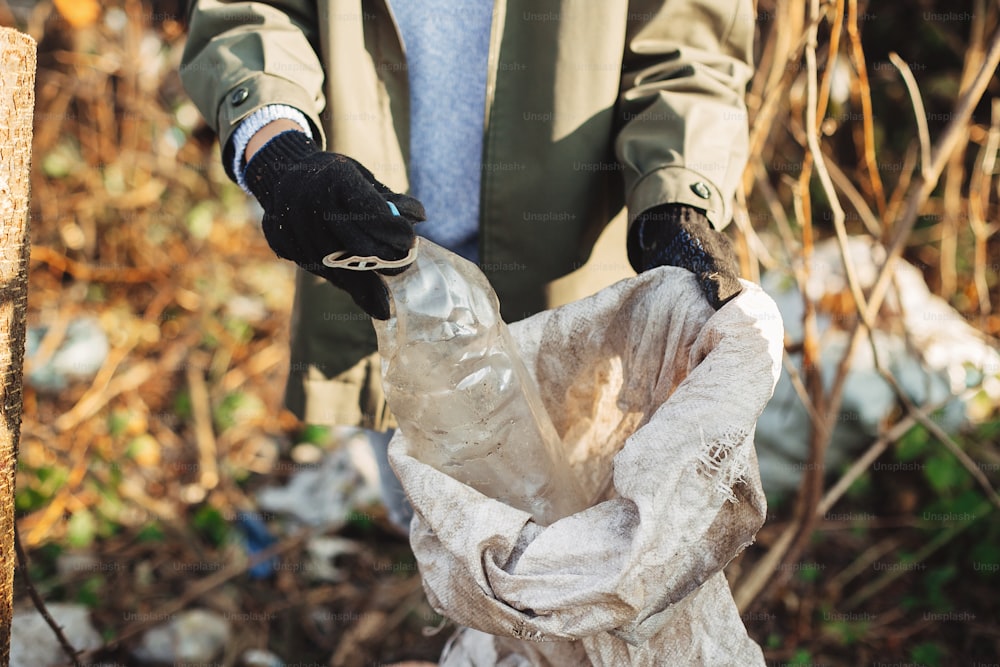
(17, 103)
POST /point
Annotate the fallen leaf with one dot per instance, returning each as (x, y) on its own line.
(79, 13)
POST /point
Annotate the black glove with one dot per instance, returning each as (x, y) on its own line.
(316, 203)
(680, 235)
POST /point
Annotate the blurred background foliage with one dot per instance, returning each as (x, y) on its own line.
(149, 461)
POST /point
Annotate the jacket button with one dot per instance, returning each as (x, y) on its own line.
(239, 96)
(701, 190)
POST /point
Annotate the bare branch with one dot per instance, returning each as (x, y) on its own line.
(748, 590)
(924, 420)
(843, 183)
(865, 140)
(979, 198)
(36, 599)
(918, 111)
(891, 575)
(924, 184)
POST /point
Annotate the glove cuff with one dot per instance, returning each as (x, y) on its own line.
(281, 154)
(655, 230)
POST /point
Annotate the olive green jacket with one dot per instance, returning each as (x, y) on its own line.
(591, 105)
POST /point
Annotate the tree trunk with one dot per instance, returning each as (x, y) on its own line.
(17, 103)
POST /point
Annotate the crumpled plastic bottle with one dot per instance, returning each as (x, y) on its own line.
(460, 392)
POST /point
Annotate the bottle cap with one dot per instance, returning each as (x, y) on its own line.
(341, 260)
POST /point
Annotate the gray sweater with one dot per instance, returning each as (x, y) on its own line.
(447, 44)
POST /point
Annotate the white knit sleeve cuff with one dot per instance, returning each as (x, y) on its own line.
(254, 122)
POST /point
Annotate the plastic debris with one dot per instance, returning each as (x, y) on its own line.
(33, 644)
(925, 343)
(246, 308)
(256, 538)
(78, 357)
(460, 392)
(326, 494)
(192, 636)
(324, 552)
(256, 657)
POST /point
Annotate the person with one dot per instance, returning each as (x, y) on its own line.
(518, 133)
(514, 132)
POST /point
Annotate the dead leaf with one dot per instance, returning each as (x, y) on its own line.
(79, 13)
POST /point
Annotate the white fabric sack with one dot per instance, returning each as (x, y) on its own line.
(656, 397)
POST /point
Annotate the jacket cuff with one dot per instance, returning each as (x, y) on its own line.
(254, 93)
(679, 185)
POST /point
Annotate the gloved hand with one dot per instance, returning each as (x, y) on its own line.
(317, 202)
(680, 235)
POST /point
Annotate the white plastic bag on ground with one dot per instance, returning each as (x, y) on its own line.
(32, 642)
(655, 396)
(932, 350)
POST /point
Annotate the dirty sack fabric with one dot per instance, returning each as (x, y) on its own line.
(655, 396)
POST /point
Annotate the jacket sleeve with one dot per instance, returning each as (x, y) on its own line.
(684, 136)
(242, 56)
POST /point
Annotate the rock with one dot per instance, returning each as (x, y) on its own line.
(33, 644)
(195, 635)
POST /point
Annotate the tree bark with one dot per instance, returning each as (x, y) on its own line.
(17, 103)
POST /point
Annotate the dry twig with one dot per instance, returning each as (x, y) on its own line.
(36, 599)
(925, 420)
(861, 93)
(811, 489)
(213, 581)
(920, 115)
(979, 197)
(927, 180)
(748, 591)
(201, 410)
(892, 574)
